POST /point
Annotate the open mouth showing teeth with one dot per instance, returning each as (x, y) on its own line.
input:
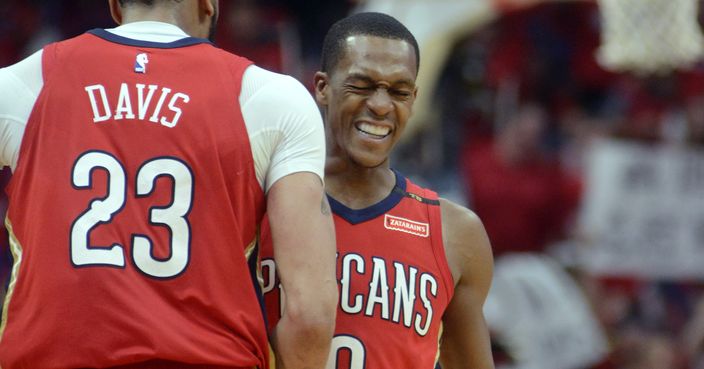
(373, 130)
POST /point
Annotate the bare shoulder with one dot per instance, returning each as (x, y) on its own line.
(467, 245)
(466, 341)
(457, 218)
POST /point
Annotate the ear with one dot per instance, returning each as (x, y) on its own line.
(115, 11)
(207, 8)
(413, 100)
(322, 85)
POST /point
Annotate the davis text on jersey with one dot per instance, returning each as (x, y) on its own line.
(162, 107)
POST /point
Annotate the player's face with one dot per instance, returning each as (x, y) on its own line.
(368, 98)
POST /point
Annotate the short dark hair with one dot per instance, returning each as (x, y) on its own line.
(365, 24)
(143, 2)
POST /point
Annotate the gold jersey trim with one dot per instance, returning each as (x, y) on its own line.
(272, 358)
(249, 250)
(248, 254)
(437, 354)
(16, 250)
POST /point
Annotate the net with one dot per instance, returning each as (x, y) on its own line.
(649, 36)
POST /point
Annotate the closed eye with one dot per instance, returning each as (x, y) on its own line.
(356, 88)
(401, 93)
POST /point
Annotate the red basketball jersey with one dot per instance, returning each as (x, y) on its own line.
(393, 279)
(132, 209)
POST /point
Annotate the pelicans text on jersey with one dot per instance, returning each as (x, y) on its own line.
(393, 279)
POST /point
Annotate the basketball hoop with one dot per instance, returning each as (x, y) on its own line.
(649, 36)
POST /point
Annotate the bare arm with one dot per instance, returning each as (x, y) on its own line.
(465, 340)
(303, 237)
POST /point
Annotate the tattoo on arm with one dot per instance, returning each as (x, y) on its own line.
(324, 206)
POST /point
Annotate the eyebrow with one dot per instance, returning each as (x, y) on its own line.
(365, 78)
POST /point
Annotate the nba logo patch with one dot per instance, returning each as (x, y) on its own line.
(140, 64)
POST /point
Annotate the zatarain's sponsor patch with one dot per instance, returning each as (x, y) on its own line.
(405, 225)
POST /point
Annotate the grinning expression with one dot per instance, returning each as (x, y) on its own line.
(367, 98)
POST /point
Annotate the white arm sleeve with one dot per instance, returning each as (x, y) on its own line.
(19, 87)
(284, 125)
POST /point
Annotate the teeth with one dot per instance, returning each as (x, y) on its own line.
(372, 129)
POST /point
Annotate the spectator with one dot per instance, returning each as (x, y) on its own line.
(521, 193)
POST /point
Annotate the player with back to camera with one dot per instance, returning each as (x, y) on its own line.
(413, 269)
(144, 159)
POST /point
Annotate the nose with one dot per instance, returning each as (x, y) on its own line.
(380, 103)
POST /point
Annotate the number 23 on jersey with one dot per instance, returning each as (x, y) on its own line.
(100, 212)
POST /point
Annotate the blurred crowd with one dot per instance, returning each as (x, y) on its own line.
(521, 103)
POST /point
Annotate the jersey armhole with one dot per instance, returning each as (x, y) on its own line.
(435, 216)
(48, 60)
(237, 66)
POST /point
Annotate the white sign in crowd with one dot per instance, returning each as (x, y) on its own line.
(643, 211)
(538, 311)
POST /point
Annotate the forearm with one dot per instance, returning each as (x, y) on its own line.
(467, 350)
(304, 247)
(302, 344)
(303, 335)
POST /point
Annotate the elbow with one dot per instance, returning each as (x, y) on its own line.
(314, 316)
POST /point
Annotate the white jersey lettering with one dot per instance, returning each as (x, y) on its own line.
(378, 290)
(98, 115)
(174, 108)
(142, 102)
(102, 108)
(345, 283)
(427, 284)
(404, 293)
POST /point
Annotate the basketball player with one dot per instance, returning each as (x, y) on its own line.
(413, 269)
(143, 161)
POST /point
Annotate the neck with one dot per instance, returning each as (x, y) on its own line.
(137, 13)
(358, 187)
(171, 15)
